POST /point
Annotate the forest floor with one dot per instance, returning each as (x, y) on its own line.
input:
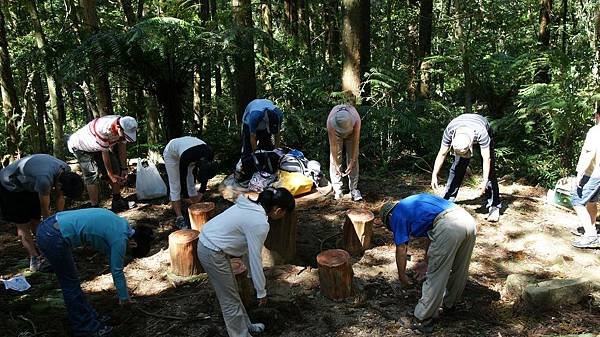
(531, 238)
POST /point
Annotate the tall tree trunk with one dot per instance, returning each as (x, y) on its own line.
(564, 15)
(332, 37)
(205, 71)
(365, 47)
(11, 107)
(304, 26)
(100, 79)
(425, 26)
(128, 11)
(291, 16)
(542, 74)
(153, 131)
(56, 104)
(463, 30)
(140, 10)
(244, 67)
(197, 99)
(266, 23)
(40, 111)
(217, 70)
(596, 69)
(351, 45)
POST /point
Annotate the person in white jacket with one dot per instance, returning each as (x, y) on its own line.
(241, 230)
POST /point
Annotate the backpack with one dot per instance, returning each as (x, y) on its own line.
(294, 161)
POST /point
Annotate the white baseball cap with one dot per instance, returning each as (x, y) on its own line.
(462, 143)
(129, 126)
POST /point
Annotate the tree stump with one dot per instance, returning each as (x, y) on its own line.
(280, 245)
(358, 230)
(335, 274)
(200, 213)
(244, 285)
(182, 249)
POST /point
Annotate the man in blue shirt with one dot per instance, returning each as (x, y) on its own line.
(100, 229)
(261, 122)
(450, 233)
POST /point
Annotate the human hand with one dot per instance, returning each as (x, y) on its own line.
(404, 281)
(482, 187)
(115, 179)
(349, 168)
(127, 302)
(420, 271)
(262, 301)
(434, 183)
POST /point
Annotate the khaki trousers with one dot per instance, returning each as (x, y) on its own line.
(336, 179)
(217, 266)
(452, 241)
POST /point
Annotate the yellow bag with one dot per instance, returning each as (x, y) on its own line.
(295, 182)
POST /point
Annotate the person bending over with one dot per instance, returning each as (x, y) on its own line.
(187, 159)
(240, 231)
(104, 231)
(25, 188)
(450, 232)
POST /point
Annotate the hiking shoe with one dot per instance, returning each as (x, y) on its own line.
(579, 231)
(494, 214)
(356, 196)
(586, 242)
(256, 328)
(119, 204)
(425, 326)
(180, 223)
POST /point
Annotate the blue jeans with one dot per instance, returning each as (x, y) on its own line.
(57, 250)
(457, 174)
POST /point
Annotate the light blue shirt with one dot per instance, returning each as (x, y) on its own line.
(103, 230)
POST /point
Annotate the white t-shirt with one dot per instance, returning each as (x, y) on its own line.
(590, 154)
(178, 145)
(98, 135)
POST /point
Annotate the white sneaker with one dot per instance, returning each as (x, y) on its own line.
(586, 242)
(356, 196)
(256, 327)
(494, 214)
(337, 195)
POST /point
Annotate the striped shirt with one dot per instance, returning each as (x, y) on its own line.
(96, 136)
(477, 123)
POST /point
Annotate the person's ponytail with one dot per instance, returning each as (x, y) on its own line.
(276, 197)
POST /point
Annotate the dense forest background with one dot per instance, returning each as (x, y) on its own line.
(191, 66)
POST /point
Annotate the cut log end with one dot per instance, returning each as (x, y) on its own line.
(202, 207)
(333, 258)
(183, 236)
(360, 215)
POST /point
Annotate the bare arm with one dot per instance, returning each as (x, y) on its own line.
(439, 161)
(333, 149)
(108, 165)
(487, 163)
(253, 143)
(401, 252)
(60, 200)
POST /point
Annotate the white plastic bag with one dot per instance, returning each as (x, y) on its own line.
(148, 183)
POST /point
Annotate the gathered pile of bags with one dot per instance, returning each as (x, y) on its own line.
(281, 167)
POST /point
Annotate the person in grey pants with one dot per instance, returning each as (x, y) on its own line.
(240, 231)
(451, 233)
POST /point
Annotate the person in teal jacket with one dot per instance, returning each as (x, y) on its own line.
(104, 231)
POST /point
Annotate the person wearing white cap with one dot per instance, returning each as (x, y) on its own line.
(343, 129)
(96, 147)
(460, 135)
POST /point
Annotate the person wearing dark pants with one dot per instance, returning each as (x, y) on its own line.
(25, 188)
(261, 125)
(103, 230)
(460, 135)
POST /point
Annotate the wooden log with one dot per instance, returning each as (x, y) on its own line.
(244, 285)
(182, 249)
(280, 245)
(200, 213)
(335, 274)
(358, 231)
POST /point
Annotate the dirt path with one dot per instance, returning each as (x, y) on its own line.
(532, 238)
